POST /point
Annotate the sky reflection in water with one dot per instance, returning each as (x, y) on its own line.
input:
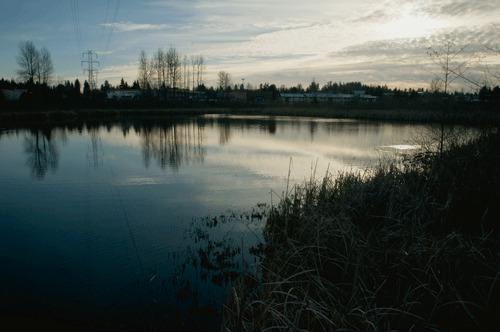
(101, 221)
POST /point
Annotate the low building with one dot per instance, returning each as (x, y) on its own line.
(368, 98)
(325, 98)
(261, 97)
(251, 96)
(12, 95)
(238, 96)
(123, 94)
(318, 97)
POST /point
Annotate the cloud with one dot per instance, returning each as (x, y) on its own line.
(386, 10)
(129, 26)
(474, 39)
(374, 16)
(283, 41)
(459, 7)
(406, 61)
(104, 52)
(115, 73)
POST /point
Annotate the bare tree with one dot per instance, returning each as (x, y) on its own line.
(185, 74)
(224, 80)
(193, 71)
(197, 70)
(174, 67)
(453, 64)
(200, 69)
(45, 66)
(152, 72)
(436, 85)
(144, 71)
(491, 77)
(28, 61)
(159, 61)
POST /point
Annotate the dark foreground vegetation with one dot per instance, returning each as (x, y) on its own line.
(412, 247)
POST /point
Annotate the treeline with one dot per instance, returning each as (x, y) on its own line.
(170, 69)
(168, 78)
(67, 95)
(75, 95)
(378, 90)
(490, 94)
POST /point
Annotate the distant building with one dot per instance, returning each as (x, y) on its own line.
(250, 96)
(12, 95)
(260, 97)
(325, 98)
(368, 98)
(238, 96)
(123, 94)
(199, 96)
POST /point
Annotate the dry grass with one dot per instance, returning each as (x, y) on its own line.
(411, 248)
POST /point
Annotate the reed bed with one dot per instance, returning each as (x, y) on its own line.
(408, 247)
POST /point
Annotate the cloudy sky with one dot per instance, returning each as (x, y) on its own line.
(280, 41)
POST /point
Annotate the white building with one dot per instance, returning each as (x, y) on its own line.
(324, 98)
(123, 94)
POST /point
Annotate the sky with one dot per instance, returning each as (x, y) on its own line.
(278, 41)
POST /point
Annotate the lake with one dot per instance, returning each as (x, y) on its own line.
(143, 224)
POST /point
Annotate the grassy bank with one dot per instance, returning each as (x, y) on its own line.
(408, 248)
(469, 117)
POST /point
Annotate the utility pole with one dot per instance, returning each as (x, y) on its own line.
(90, 61)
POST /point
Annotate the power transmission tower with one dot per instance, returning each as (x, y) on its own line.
(90, 61)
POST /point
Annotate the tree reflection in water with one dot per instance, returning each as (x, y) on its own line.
(172, 145)
(42, 153)
(224, 131)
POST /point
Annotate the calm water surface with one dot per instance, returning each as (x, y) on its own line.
(101, 224)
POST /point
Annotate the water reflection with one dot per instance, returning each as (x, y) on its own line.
(172, 145)
(220, 249)
(109, 232)
(225, 247)
(181, 141)
(41, 151)
(95, 151)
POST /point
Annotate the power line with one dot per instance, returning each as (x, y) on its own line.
(115, 16)
(75, 21)
(90, 60)
(106, 16)
(106, 21)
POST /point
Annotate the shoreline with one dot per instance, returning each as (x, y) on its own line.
(394, 115)
(398, 248)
